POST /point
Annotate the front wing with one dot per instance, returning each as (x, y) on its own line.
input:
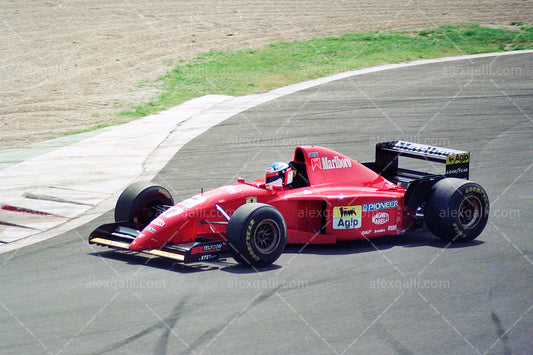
(115, 236)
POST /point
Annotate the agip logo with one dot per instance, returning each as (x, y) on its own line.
(455, 159)
(347, 217)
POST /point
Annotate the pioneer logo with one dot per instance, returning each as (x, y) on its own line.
(380, 205)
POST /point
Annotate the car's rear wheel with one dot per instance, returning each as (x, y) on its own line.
(457, 210)
(256, 234)
(140, 203)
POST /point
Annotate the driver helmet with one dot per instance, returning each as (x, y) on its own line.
(279, 174)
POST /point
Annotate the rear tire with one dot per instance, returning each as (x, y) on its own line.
(140, 203)
(457, 210)
(256, 234)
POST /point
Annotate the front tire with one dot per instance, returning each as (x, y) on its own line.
(457, 210)
(256, 234)
(140, 203)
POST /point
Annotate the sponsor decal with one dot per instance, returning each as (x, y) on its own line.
(425, 149)
(230, 189)
(458, 165)
(313, 154)
(158, 222)
(347, 217)
(173, 211)
(336, 163)
(327, 164)
(456, 171)
(457, 159)
(207, 248)
(380, 205)
(316, 164)
(379, 230)
(205, 257)
(193, 201)
(150, 229)
(380, 218)
(366, 232)
(251, 199)
(392, 228)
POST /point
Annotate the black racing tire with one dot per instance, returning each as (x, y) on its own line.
(457, 210)
(256, 234)
(140, 203)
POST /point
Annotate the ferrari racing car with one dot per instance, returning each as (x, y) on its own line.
(321, 197)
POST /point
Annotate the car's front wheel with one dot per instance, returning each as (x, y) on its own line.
(256, 234)
(140, 203)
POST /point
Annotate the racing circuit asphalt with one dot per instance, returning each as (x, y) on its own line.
(404, 294)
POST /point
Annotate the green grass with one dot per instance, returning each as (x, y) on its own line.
(95, 127)
(251, 71)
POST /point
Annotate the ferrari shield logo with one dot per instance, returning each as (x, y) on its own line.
(251, 199)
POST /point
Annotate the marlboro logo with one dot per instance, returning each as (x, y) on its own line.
(316, 164)
(327, 164)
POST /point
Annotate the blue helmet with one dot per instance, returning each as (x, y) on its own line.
(279, 174)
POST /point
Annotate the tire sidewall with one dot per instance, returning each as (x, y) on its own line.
(443, 209)
(242, 229)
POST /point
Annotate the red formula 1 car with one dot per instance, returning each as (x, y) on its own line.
(321, 197)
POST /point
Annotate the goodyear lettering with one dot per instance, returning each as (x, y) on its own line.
(474, 189)
(164, 193)
(347, 217)
(457, 171)
(249, 240)
(480, 191)
(459, 233)
(380, 205)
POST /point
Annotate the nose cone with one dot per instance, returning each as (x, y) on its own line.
(140, 243)
(155, 235)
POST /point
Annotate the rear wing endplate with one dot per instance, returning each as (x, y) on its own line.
(387, 154)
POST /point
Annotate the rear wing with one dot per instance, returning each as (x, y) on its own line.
(387, 155)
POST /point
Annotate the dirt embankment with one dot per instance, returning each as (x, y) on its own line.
(66, 65)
